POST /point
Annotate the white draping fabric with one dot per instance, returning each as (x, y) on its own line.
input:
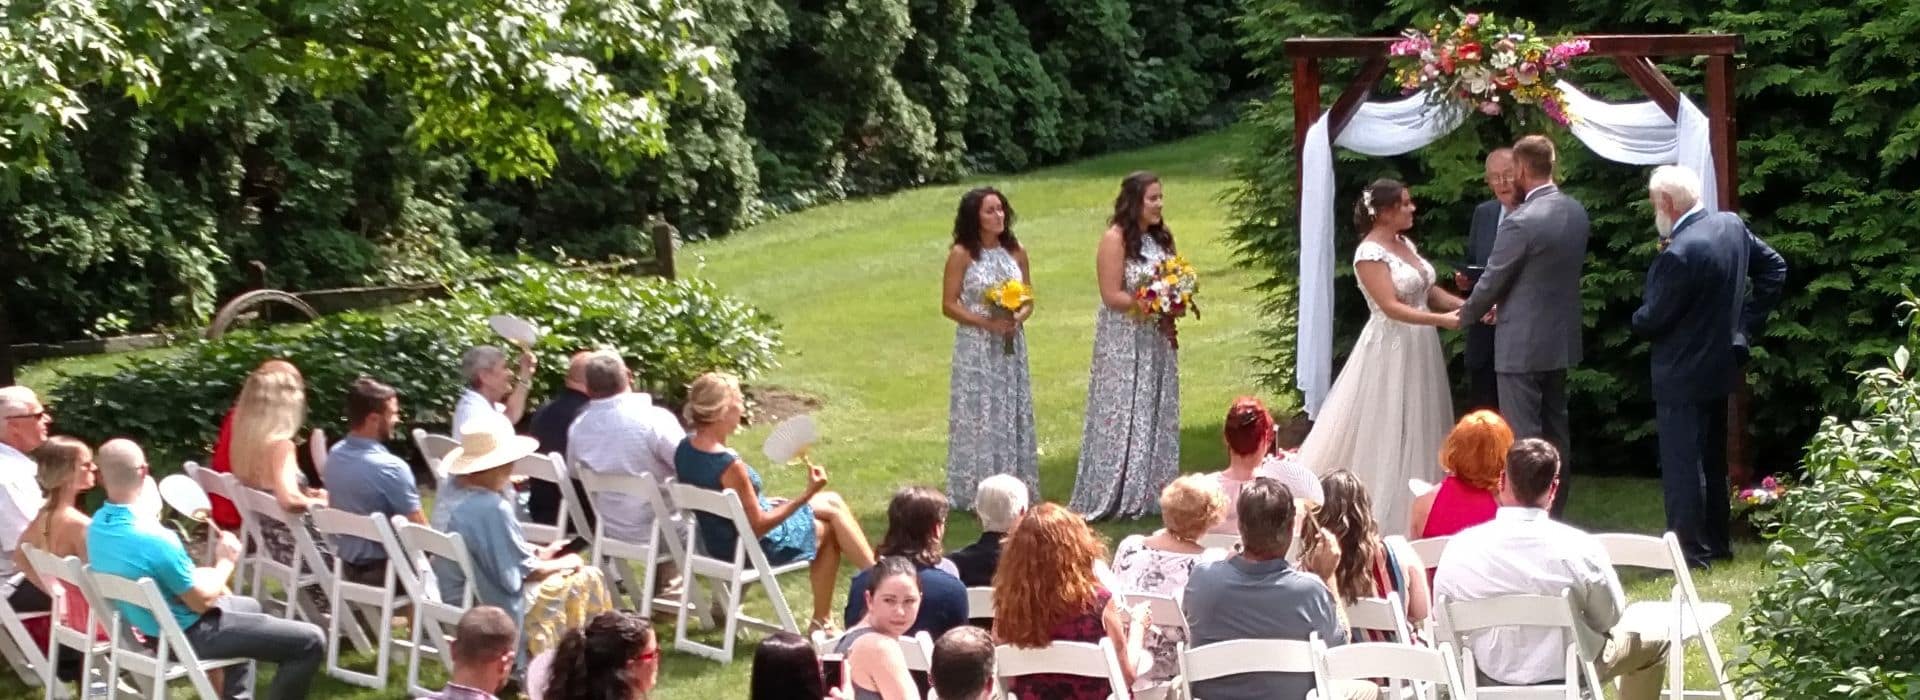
(1638, 133)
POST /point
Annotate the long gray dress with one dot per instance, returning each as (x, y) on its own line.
(1130, 448)
(990, 412)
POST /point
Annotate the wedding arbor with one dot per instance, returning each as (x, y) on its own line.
(1667, 128)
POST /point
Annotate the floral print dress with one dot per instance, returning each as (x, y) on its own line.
(1142, 569)
(990, 405)
(1130, 447)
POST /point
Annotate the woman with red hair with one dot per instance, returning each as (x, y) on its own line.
(1252, 452)
(1474, 456)
(1046, 591)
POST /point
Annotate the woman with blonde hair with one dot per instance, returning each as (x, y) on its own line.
(266, 420)
(1474, 456)
(1367, 568)
(1047, 591)
(65, 471)
(1161, 562)
(817, 526)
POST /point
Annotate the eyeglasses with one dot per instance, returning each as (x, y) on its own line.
(1502, 179)
(39, 415)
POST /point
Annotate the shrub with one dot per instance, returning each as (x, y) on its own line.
(1842, 616)
(669, 331)
(1834, 197)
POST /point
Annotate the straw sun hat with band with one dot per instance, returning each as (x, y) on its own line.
(487, 445)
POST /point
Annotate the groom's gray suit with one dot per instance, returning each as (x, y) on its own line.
(1533, 274)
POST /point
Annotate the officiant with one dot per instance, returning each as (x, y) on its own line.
(1483, 392)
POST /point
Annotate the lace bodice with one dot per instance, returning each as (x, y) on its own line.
(1411, 278)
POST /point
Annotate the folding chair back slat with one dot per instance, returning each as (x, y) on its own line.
(1383, 615)
(980, 602)
(1466, 617)
(1427, 669)
(433, 448)
(609, 550)
(344, 596)
(1429, 549)
(1163, 610)
(171, 656)
(1069, 658)
(433, 617)
(70, 588)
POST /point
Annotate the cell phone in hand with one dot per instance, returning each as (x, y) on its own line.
(577, 545)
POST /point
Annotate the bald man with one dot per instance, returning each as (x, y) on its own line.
(549, 426)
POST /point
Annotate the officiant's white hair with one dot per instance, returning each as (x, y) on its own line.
(1678, 183)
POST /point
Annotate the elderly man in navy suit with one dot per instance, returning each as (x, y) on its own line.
(1695, 311)
(1483, 386)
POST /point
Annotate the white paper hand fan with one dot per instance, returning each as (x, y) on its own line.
(514, 329)
(790, 439)
(185, 497)
(147, 504)
(1419, 487)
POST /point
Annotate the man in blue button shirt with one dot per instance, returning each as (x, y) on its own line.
(363, 478)
(217, 625)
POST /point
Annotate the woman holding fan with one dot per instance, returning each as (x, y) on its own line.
(987, 290)
(1131, 446)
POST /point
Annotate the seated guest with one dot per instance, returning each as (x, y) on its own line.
(1256, 594)
(59, 529)
(23, 428)
(916, 521)
(1250, 437)
(1002, 498)
(549, 425)
(224, 513)
(1368, 569)
(217, 625)
(1473, 456)
(367, 479)
(875, 668)
(1524, 551)
(816, 526)
(492, 390)
(785, 667)
(547, 591)
(484, 645)
(266, 420)
(962, 665)
(623, 432)
(1160, 563)
(1046, 592)
(614, 657)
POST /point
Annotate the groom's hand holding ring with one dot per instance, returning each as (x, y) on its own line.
(1492, 317)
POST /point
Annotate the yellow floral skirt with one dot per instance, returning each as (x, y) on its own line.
(561, 602)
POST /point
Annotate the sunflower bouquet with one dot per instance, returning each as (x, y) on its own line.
(1168, 295)
(1005, 300)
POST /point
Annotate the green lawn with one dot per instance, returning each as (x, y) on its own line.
(856, 288)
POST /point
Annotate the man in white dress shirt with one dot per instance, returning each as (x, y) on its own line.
(622, 432)
(1522, 551)
(23, 427)
(492, 388)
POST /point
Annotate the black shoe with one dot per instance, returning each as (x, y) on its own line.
(1698, 564)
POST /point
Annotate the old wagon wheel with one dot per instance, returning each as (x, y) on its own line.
(256, 306)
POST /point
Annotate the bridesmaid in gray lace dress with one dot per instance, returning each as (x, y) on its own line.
(990, 412)
(1131, 445)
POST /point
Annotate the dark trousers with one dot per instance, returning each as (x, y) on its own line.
(1693, 474)
(1535, 406)
(543, 502)
(1483, 388)
(235, 629)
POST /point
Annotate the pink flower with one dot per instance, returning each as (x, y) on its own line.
(1490, 108)
(1555, 111)
(1472, 19)
(1769, 483)
(1470, 51)
(1504, 45)
(1527, 74)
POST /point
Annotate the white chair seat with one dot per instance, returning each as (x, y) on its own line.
(1650, 618)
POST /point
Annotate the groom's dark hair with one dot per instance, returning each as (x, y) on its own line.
(1532, 464)
(1535, 153)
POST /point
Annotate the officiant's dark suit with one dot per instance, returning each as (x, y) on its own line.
(1483, 390)
(1695, 310)
(1533, 274)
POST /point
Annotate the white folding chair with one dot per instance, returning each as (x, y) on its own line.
(317, 449)
(253, 545)
(1387, 614)
(215, 484)
(980, 602)
(1220, 540)
(432, 449)
(433, 618)
(1237, 656)
(28, 660)
(551, 468)
(1163, 610)
(1069, 658)
(172, 658)
(68, 576)
(307, 567)
(747, 565)
(1425, 669)
(345, 597)
(1429, 549)
(1682, 618)
(1464, 618)
(616, 556)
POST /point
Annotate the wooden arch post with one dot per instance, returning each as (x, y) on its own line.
(1634, 53)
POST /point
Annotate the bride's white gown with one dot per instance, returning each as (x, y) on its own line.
(1390, 409)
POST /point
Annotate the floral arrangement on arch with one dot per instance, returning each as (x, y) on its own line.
(1479, 62)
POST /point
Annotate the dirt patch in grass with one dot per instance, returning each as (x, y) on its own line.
(768, 405)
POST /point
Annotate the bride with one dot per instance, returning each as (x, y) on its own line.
(1389, 410)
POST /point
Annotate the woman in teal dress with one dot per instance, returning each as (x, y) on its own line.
(816, 526)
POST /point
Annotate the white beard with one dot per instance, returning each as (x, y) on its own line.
(1663, 224)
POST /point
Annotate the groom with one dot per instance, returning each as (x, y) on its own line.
(1533, 275)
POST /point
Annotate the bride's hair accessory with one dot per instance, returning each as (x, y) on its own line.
(1366, 200)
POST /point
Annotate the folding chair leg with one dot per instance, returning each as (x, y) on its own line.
(780, 609)
(734, 591)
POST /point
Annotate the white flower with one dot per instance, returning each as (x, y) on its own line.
(1477, 79)
(1503, 60)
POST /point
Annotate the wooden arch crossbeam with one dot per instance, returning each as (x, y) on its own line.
(1633, 52)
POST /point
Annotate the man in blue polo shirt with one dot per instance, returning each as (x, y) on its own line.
(217, 625)
(363, 478)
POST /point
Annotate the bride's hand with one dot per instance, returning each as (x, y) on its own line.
(1450, 320)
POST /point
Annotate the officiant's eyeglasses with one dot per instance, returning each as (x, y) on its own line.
(1501, 178)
